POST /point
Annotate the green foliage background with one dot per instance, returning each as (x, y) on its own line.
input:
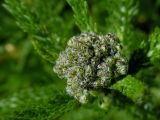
(29, 89)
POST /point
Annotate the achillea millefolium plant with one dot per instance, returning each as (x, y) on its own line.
(99, 60)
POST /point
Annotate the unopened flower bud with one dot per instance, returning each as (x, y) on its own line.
(90, 61)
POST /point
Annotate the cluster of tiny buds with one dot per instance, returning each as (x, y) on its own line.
(90, 61)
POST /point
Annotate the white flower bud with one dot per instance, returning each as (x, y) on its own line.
(89, 62)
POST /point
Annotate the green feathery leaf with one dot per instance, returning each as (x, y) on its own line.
(131, 87)
(119, 21)
(154, 51)
(41, 20)
(81, 15)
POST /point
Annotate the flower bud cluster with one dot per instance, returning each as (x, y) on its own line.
(90, 61)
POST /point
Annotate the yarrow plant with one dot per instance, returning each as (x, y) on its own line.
(90, 61)
(105, 50)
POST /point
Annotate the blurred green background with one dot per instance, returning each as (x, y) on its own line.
(28, 86)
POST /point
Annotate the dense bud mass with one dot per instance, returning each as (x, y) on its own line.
(90, 61)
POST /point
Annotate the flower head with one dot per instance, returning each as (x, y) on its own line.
(90, 61)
